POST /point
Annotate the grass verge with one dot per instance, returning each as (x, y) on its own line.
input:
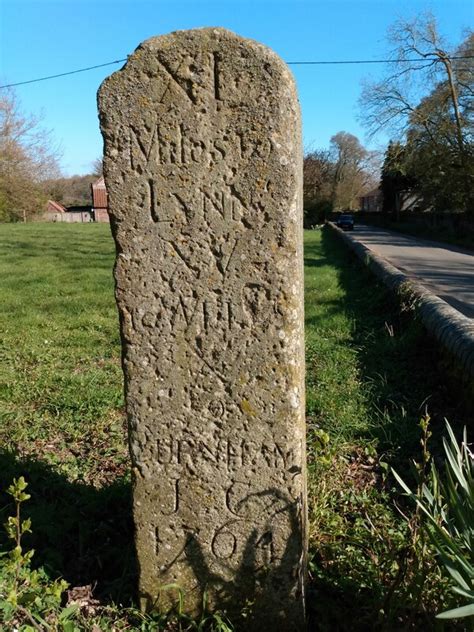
(371, 374)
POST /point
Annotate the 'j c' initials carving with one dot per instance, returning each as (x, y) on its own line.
(174, 498)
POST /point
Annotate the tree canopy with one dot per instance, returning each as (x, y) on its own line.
(427, 106)
(354, 170)
(335, 178)
(27, 158)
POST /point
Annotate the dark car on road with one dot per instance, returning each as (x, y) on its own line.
(345, 221)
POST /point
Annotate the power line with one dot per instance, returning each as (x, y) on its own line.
(62, 74)
(290, 63)
(375, 61)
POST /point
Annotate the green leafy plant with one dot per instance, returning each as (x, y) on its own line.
(30, 600)
(447, 504)
(28, 596)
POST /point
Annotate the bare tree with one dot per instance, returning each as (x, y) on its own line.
(421, 61)
(354, 170)
(27, 158)
(318, 175)
(97, 167)
(427, 100)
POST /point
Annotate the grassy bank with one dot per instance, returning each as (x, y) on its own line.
(371, 375)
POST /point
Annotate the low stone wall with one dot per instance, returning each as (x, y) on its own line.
(452, 329)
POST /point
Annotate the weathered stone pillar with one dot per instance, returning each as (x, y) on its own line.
(203, 167)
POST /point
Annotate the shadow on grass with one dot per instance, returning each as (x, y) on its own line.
(79, 532)
(400, 374)
(85, 535)
(311, 262)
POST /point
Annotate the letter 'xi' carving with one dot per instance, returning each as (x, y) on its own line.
(203, 171)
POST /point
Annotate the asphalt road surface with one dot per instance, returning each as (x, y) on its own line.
(445, 270)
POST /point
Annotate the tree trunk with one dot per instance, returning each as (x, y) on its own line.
(460, 140)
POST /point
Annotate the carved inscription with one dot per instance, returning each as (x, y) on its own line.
(206, 206)
(174, 497)
(216, 58)
(185, 311)
(154, 144)
(157, 540)
(266, 549)
(175, 146)
(195, 77)
(217, 408)
(230, 454)
(203, 171)
(182, 312)
(224, 543)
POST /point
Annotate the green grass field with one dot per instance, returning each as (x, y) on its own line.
(371, 374)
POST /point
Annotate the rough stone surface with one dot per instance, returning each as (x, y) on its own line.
(203, 170)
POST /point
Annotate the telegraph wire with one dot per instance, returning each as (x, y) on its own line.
(377, 61)
(290, 63)
(62, 74)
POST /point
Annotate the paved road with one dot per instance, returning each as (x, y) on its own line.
(445, 270)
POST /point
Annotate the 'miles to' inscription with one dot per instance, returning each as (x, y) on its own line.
(153, 143)
(203, 170)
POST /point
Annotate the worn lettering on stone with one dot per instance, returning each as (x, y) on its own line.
(203, 167)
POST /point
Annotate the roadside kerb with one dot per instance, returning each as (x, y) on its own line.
(452, 329)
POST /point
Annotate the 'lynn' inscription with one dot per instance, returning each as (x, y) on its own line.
(203, 170)
(206, 208)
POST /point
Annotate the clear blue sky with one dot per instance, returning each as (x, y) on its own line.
(43, 37)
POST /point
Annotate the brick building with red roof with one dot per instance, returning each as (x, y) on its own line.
(99, 201)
